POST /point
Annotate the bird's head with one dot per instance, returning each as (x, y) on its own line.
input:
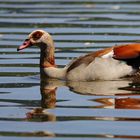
(37, 38)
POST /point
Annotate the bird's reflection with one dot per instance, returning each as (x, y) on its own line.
(112, 94)
(48, 100)
(121, 93)
(100, 88)
(119, 103)
(48, 95)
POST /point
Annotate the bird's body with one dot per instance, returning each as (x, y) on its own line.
(107, 64)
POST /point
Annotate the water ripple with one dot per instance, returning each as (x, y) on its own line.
(66, 110)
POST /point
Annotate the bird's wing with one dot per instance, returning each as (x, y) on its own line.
(129, 51)
(121, 52)
(87, 59)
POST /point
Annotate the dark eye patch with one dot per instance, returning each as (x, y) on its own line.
(37, 35)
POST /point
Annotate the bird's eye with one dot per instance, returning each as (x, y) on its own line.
(37, 35)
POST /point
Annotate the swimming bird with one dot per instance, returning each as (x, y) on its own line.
(106, 64)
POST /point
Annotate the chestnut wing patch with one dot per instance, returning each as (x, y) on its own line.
(129, 51)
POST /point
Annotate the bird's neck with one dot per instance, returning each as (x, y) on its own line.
(47, 58)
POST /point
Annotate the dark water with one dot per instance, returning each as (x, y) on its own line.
(31, 108)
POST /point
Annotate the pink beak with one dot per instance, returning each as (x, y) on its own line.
(27, 43)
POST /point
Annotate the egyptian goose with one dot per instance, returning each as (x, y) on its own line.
(106, 64)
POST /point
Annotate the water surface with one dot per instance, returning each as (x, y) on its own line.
(33, 108)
